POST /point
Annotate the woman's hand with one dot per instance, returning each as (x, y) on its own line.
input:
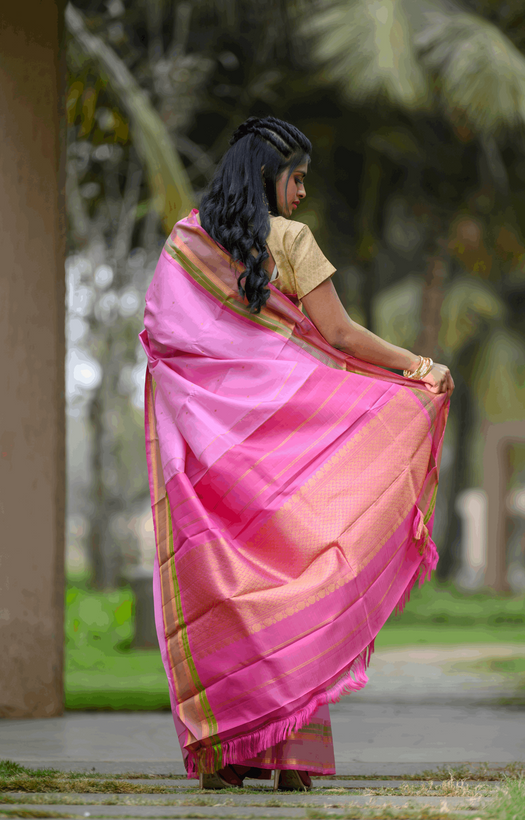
(439, 380)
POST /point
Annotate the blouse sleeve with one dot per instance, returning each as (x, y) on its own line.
(310, 266)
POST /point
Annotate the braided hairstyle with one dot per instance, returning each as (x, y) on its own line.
(235, 209)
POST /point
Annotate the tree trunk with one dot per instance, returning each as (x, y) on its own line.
(367, 247)
(97, 526)
(104, 557)
(449, 553)
(432, 300)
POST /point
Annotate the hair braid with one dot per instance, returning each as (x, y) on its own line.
(234, 211)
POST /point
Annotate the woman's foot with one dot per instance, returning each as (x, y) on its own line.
(288, 780)
(226, 778)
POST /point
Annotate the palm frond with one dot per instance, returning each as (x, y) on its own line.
(397, 143)
(498, 376)
(469, 305)
(480, 73)
(397, 311)
(364, 45)
(171, 190)
(421, 54)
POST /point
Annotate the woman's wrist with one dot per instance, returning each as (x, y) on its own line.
(422, 369)
(414, 362)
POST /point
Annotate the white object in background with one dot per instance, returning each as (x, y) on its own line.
(516, 551)
(471, 506)
(516, 502)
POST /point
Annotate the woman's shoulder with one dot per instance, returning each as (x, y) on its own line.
(301, 263)
(282, 228)
(280, 223)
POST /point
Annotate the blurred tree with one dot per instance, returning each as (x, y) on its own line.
(410, 107)
(104, 186)
(437, 59)
(137, 80)
(430, 57)
(172, 195)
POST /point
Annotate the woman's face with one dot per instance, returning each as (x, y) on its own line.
(290, 189)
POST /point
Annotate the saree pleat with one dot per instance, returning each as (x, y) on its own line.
(293, 490)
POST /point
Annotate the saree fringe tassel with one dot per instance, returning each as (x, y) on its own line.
(247, 747)
(293, 490)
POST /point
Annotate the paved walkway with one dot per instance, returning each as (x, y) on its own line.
(303, 808)
(442, 674)
(260, 802)
(422, 709)
(369, 739)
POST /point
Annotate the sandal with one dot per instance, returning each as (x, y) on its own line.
(225, 778)
(289, 780)
(257, 774)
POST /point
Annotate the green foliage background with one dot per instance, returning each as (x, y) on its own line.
(416, 193)
(104, 671)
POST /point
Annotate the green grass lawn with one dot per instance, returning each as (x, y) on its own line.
(441, 614)
(103, 672)
(127, 680)
(448, 635)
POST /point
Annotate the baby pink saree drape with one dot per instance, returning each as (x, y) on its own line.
(292, 489)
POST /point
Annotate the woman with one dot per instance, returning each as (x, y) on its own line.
(293, 479)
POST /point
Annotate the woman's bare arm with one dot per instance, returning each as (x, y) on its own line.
(331, 319)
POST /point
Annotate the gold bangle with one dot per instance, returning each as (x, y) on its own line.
(417, 373)
(430, 365)
(424, 367)
(408, 374)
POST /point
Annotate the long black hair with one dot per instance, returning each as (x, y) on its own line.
(235, 210)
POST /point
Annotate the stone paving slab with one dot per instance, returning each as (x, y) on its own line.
(110, 812)
(333, 796)
(318, 783)
(357, 769)
(255, 807)
(109, 768)
(204, 812)
(234, 812)
(229, 799)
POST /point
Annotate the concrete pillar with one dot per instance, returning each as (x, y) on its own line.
(32, 422)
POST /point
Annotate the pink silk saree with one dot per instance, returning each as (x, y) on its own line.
(292, 489)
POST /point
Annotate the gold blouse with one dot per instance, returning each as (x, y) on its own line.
(300, 262)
